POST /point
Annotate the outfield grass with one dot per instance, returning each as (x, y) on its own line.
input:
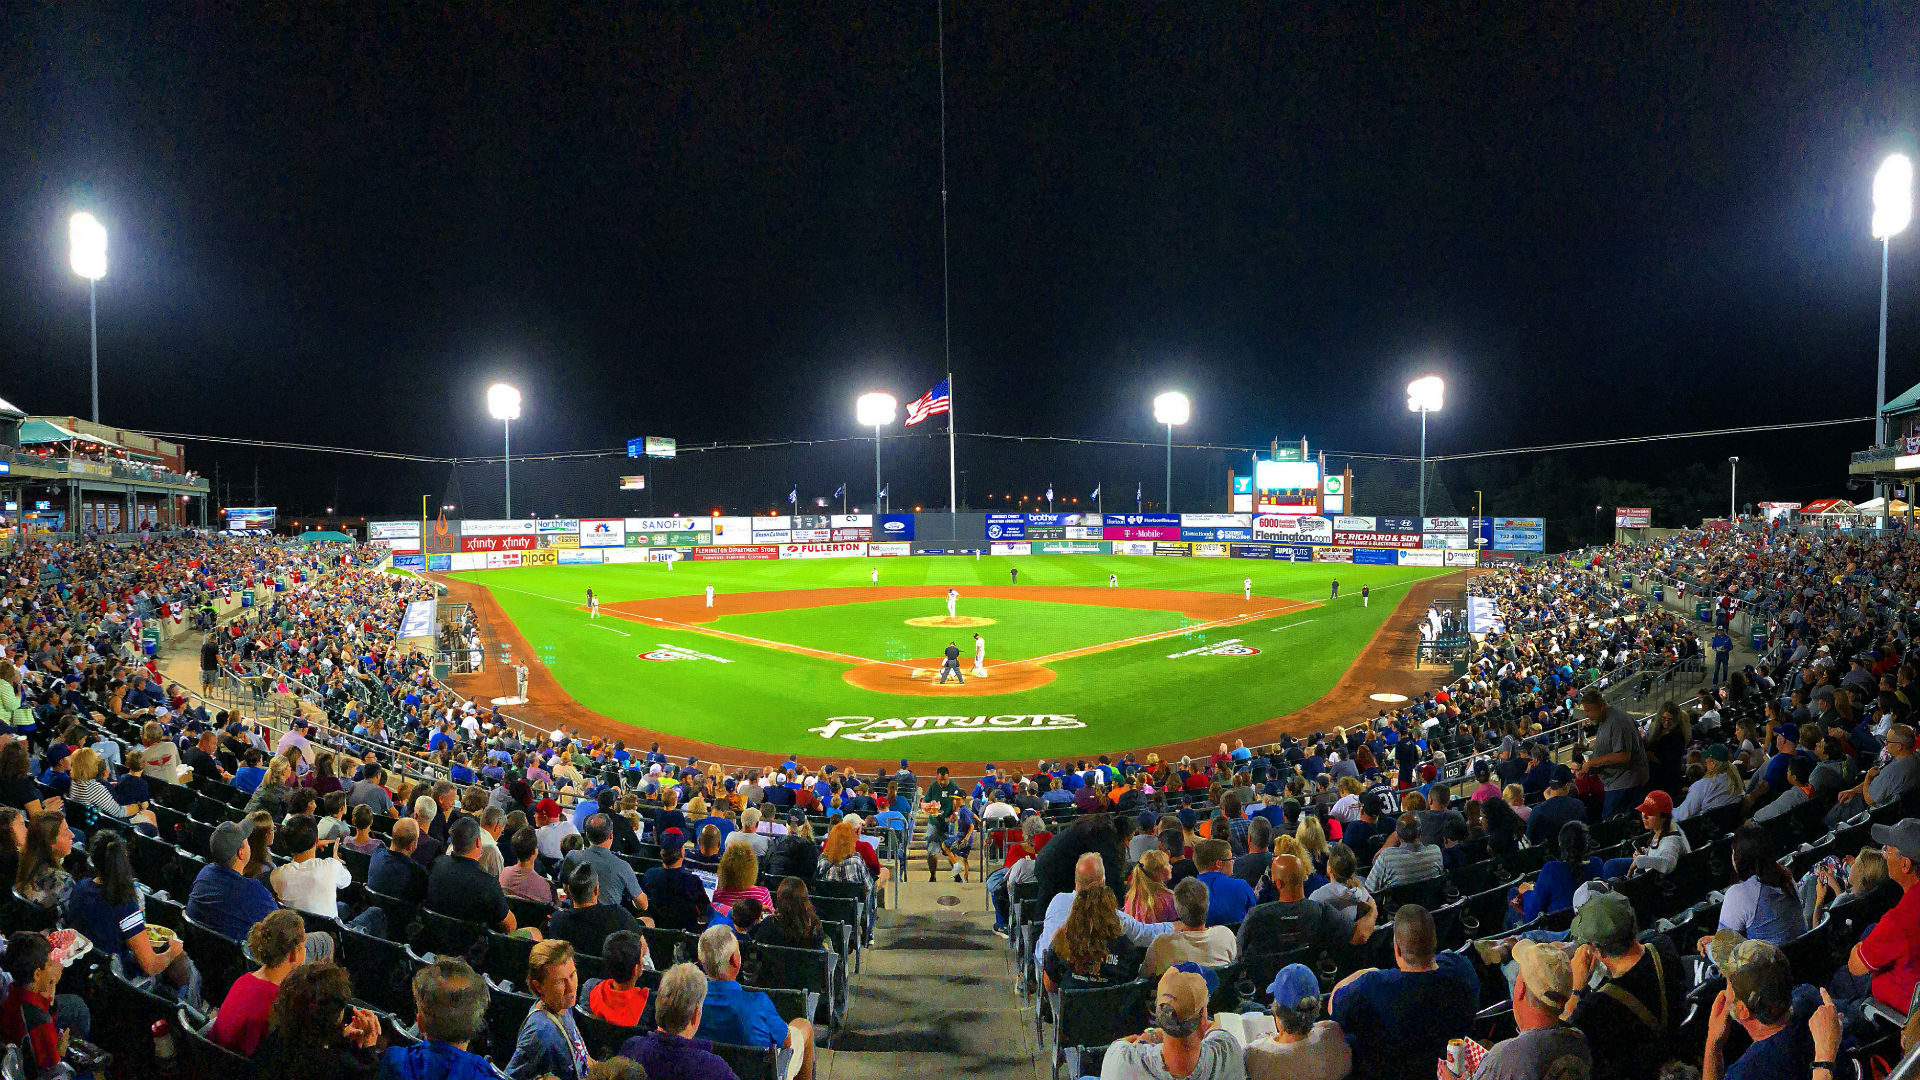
(768, 700)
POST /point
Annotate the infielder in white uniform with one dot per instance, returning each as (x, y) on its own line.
(1113, 581)
(1246, 587)
(953, 603)
(709, 596)
(593, 605)
(979, 656)
(873, 575)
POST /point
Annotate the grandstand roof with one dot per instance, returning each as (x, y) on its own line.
(9, 412)
(1828, 506)
(36, 430)
(1907, 402)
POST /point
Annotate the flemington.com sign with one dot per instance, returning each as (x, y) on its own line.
(872, 729)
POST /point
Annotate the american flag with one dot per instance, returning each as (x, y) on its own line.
(936, 400)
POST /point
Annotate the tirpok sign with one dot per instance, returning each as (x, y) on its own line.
(873, 729)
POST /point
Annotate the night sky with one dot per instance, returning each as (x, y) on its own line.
(721, 222)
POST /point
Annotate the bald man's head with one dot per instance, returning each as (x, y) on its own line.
(1089, 871)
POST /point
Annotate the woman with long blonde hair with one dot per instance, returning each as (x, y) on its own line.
(1313, 837)
(1148, 898)
(739, 875)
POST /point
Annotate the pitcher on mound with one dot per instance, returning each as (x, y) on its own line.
(979, 657)
(953, 603)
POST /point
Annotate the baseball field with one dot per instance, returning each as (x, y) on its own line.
(817, 659)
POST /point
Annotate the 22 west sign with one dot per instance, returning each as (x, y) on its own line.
(873, 729)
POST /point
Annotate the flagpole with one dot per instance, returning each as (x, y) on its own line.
(946, 291)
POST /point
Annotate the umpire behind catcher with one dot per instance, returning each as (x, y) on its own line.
(951, 665)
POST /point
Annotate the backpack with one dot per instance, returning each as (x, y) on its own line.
(792, 856)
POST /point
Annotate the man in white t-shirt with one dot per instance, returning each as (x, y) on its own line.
(1183, 1042)
(308, 882)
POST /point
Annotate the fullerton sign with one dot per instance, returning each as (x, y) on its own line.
(872, 729)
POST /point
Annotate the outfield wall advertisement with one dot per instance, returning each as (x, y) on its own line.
(1020, 547)
(889, 548)
(1373, 539)
(822, 551)
(736, 553)
(603, 533)
(894, 527)
(394, 530)
(1293, 530)
(1006, 526)
(1519, 534)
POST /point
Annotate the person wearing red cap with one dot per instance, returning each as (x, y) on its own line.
(553, 826)
(1660, 850)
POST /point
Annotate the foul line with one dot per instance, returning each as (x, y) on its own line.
(1231, 620)
(782, 646)
(1289, 626)
(610, 629)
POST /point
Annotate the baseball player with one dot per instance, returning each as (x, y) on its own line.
(951, 665)
(593, 605)
(1246, 587)
(1113, 581)
(1336, 590)
(520, 681)
(979, 656)
(1015, 572)
(709, 596)
(873, 575)
(1365, 592)
(953, 603)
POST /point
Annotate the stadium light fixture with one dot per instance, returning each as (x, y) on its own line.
(875, 410)
(87, 241)
(1171, 408)
(503, 402)
(1892, 210)
(1733, 489)
(1424, 395)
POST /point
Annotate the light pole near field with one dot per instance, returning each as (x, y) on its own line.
(1733, 490)
(503, 402)
(875, 411)
(1171, 408)
(1425, 395)
(1892, 209)
(88, 240)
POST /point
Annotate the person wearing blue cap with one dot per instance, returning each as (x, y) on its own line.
(1559, 807)
(1302, 1046)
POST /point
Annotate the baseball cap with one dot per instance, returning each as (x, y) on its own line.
(1717, 752)
(1789, 732)
(1903, 837)
(1545, 970)
(672, 840)
(1188, 818)
(1293, 986)
(1180, 1001)
(1606, 917)
(1561, 776)
(546, 808)
(1147, 820)
(227, 839)
(58, 752)
(1657, 802)
(1754, 969)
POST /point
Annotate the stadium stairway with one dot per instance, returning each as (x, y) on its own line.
(934, 996)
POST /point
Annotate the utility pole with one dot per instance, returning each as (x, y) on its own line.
(256, 483)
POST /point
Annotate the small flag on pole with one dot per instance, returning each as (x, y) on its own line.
(883, 491)
(1096, 492)
(794, 496)
(1049, 492)
(937, 400)
(840, 491)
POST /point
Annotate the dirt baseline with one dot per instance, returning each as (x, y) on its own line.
(1202, 606)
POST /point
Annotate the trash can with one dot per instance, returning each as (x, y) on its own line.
(441, 670)
(150, 641)
(280, 585)
(246, 599)
(1704, 611)
(1659, 594)
(1759, 640)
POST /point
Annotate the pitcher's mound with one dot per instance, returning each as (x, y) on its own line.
(949, 620)
(923, 677)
